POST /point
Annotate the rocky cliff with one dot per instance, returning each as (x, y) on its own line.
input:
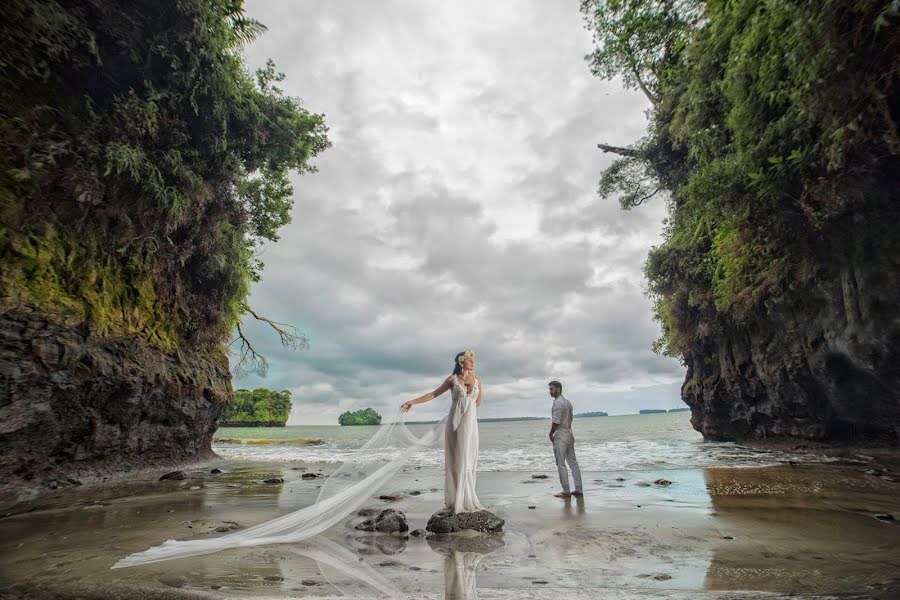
(774, 140)
(825, 368)
(141, 167)
(74, 404)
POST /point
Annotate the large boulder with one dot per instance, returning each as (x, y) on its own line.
(447, 521)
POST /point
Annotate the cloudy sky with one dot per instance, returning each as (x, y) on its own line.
(456, 209)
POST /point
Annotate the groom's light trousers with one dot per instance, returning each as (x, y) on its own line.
(564, 450)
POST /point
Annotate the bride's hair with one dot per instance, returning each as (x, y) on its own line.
(457, 368)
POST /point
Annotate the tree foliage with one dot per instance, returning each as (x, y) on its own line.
(259, 406)
(366, 416)
(774, 134)
(141, 164)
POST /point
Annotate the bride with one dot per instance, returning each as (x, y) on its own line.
(354, 482)
(461, 434)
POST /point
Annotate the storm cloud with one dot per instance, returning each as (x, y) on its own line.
(456, 209)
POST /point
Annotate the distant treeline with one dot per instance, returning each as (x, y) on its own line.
(596, 413)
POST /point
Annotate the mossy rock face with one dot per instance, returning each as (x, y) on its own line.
(79, 404)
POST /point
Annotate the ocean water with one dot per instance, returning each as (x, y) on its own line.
(631, 442)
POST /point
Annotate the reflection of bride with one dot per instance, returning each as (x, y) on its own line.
(461, 436)
(353, 483)
(461, 558)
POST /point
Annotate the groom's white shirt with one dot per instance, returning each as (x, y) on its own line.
(562, 412)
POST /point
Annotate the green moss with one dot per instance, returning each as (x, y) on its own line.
(774, 132)
(71, 281)
(141, 165)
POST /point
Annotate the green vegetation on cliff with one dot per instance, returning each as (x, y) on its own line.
(141, 165)
(774, 138)
(259, 406)
(366, 416)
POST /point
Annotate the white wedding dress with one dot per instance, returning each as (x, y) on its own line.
(355, 482)
(461, 450)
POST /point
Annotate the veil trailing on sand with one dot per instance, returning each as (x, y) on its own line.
(343, 492)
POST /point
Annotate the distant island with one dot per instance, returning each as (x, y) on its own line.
(651, 411)
(596, 413)
(366, 416)
(682, 409)
(257, 408)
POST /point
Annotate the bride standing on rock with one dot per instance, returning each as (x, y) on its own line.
(356, 480)
(461, 434)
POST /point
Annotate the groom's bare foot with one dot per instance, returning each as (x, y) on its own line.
(563, 495)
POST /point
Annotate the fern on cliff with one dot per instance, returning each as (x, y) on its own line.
(773, 136)
(141, 164)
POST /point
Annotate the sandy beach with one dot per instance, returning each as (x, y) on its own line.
(723, 532)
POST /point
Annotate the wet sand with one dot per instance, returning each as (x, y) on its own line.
(805, 531)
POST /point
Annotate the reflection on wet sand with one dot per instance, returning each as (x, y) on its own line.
(796, 529)
(344, 570)
(578, 501)
(462, 553)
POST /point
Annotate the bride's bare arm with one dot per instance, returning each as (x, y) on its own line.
(480, 389)
(445, 385)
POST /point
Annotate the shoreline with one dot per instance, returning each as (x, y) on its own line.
(18, 495)
(808, 530)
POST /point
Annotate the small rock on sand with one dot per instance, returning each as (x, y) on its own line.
(228, 526)
(662, 482)
(887, 518)
(662, 577)
(391, 497)
(540, 477)
(417, 533)
(215, 471)
(273, 480)
(173, 476)
(388, 521)
(310, 475)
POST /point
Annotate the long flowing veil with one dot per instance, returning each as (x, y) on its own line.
(344, 491)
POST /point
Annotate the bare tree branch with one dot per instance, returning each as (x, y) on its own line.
(290, 336)
(621, 151)
(252, 361)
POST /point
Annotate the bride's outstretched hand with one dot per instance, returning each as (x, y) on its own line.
(406, 407)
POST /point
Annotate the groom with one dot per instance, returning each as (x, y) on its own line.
(563, 441)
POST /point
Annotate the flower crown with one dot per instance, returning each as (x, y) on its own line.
(465, 355)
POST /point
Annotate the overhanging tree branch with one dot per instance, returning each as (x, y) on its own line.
(645, 198)
(290, 336)
(620, 151)
(252, 361)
